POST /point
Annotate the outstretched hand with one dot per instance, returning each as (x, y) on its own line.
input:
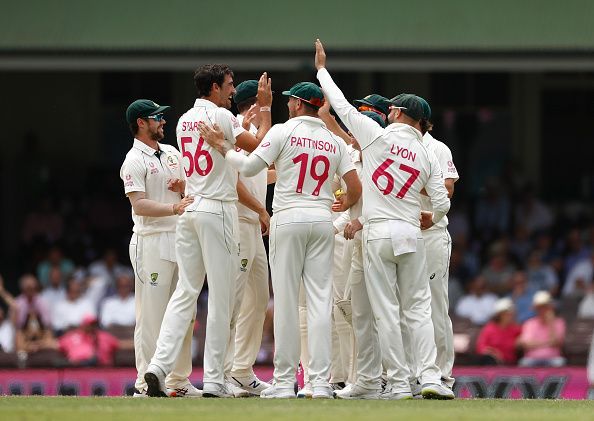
(320, 60)
(264, 97)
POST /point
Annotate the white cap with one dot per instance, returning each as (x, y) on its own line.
(503, 304)
(541, 298)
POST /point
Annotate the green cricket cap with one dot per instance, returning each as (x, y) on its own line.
(413, 106)
(380, 103)
(142, 108)
(375, 117)
(245, 90)
(308, 92)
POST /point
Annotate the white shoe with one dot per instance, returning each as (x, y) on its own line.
(216, 390)
(389, 394)
(357, 392)
(185, 391)
(305, 392)
(275, 392)
(252, 385)
(322, 392)
(237, 391)
(155, 381)
(436, 391)
(140, 394)
(415, 389)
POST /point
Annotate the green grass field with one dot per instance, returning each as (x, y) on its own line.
(103, 409)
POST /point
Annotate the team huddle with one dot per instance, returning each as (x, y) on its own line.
(370, 195)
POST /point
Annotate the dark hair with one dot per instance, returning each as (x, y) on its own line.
(425, 125)
(133, 128)
(245, 105)
(208, 74)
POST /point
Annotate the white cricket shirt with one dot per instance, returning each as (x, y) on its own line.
(256, 185)
(207, 173)
(396, 165)
(448, 169)
(142, 171)
(306, 156)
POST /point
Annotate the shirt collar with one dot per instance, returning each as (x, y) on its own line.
(143, 147)
(314, 120)
(204, 103)
(408, 127)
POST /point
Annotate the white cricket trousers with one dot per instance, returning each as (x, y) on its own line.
(206, 243)
(367, 344)
(155, 281)
(398, 283)
(438, 245)
(251, 301)
(301, 247)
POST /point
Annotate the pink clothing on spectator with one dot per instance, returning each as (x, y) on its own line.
(503, 339)
(24, 307)
(535, 330)
(80, 346)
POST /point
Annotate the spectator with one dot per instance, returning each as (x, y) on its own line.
(586, 307)
(119, 309)
(541, 277)
(34, 336)
(579, 278)
(70, 312)
(7, 333)
(54, 292)
(575, 252)
(89, 346)
(492, 211)
(478, 305)
(29, 301)
(542, 336)
(522, 296)
(43, 224)
(496, 344)
(55, 260)
(108, 268)
(520, 245)
(532, 214)
(499, 271)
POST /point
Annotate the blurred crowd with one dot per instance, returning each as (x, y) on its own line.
(521, 285)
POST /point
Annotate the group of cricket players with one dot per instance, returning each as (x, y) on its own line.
(358, 242)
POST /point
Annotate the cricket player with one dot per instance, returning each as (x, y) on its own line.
(153, 179)
(397, 167)
(207, 235)
(252, 293)
(376, 104)
(438, 245)
(306, 156)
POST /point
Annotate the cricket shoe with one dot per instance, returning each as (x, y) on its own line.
(305, 392)
(237, 391)
(276, 392)
(252, 385)
(389, 394)
(155, 381)
(338, 385)
(186, 391)
(216, 390)
(322, 392)
(356, 392)
(436, 391)
(140, 393)
(415, 388)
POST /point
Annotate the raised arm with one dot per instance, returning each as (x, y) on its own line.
(246, 140)
(363, 128)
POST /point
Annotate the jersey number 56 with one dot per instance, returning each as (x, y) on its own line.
(194, 160)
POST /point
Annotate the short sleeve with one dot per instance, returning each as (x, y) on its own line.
(270, 147)
(346, 163)
(446, 162)
(229, 124)
(133, 174)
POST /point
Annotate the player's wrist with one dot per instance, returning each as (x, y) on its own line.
(174, 208)
(265, 109)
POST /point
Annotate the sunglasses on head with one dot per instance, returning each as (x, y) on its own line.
(156, 117)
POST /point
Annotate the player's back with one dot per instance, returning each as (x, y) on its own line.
(208, 175)
(309, 157)
(396, 167)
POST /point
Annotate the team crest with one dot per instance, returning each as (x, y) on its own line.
(154, 277)
(172, 162)
(244, 263)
